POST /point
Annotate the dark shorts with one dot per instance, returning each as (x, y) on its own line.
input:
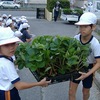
(13, 94)
(87, 82)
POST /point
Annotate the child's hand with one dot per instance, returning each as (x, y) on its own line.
(44, 83)
(83, 76)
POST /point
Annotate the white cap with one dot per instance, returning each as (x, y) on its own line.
(24, 20)
(4, 15)
(87, 19)
(9, 15)
(7, 36)
(23, 17)
(25, 25)
(18, 33)
(14, 18)
(8, 22)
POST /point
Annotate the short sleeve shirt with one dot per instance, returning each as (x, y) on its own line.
(8, 74)
(25, 35)
(94, 48)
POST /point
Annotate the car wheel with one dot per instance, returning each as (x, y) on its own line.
(1, 7)
(72, 22)
(16, 7)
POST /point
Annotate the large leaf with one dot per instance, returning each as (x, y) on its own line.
(52, 55)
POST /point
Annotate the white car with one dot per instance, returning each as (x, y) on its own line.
(72, 18)
(9, 4)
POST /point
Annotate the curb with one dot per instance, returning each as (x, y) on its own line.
(97, 81)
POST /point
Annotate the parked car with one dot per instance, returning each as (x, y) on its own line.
(71, 16)
(9, 4)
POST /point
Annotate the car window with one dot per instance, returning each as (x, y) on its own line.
(4, 2)
(8, 3)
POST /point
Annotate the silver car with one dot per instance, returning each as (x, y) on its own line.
(9, 4)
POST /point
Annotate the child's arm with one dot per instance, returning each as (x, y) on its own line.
(95, 68)
(25, 85)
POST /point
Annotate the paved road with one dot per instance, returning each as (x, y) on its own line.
(56, 91)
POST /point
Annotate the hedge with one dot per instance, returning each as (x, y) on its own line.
(75, 11)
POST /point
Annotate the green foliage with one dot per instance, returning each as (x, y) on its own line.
(51, 4)
(52, 55)
(79, 11)
(67, 11)
(76, 11)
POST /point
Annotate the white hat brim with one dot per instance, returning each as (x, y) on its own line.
(82, 23)
(11, 40)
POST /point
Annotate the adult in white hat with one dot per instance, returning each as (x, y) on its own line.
(9, 79)
(87, 24)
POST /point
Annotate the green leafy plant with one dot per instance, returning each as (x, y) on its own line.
(50, 56)
(75, 11)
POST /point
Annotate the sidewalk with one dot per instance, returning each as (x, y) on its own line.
(97, 80)
(56, 91)
(95, 92)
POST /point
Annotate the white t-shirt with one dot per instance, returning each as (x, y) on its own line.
(8, 74)
(94, 48)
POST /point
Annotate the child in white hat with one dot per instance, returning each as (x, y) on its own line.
(9, 23)
(87, 24)
(26, 37)
(9, 79)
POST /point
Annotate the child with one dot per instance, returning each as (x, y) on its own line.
(25, 37)
(87, 25)
(9, 79)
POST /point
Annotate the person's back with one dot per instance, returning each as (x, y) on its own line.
(26, 37)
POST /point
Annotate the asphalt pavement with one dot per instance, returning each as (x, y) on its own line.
(57, 91)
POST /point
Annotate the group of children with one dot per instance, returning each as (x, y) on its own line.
(19, 25)
(10, 80)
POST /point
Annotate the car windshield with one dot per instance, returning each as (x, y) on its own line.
(8, 3)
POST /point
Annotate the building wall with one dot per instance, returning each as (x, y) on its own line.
(80, 3)
(38, 1)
